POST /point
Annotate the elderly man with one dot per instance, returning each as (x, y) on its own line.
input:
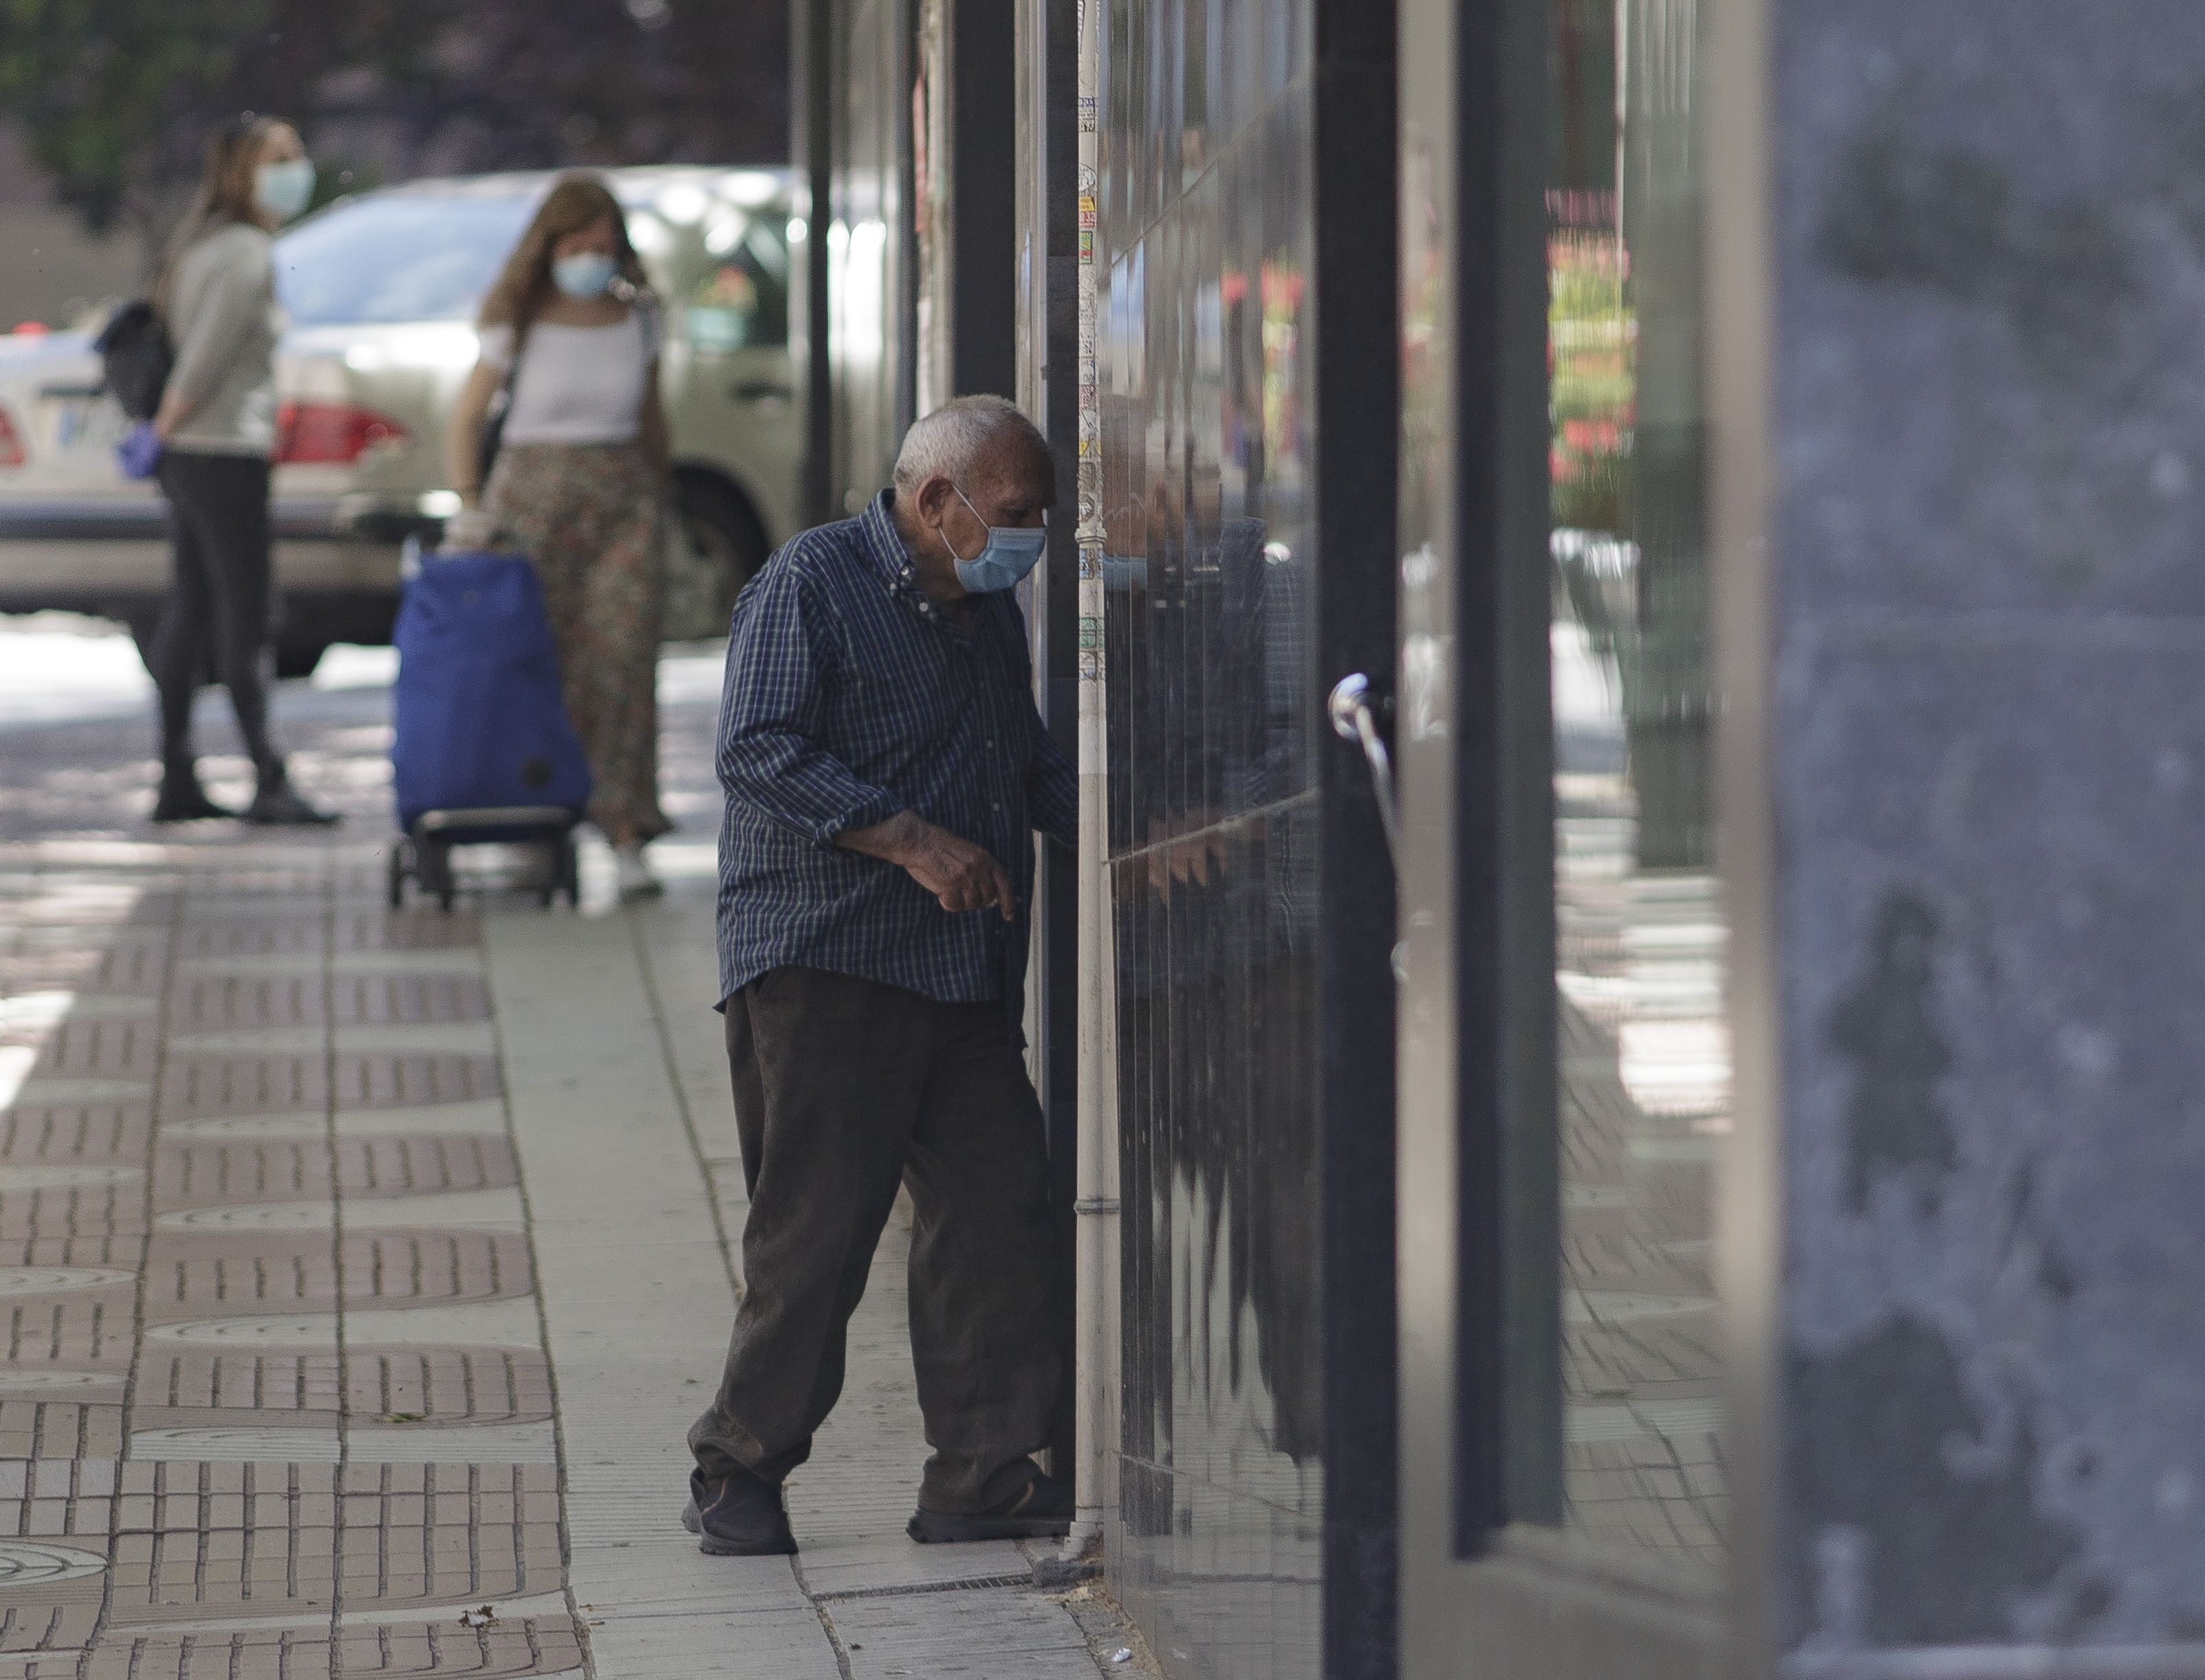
(884, 769)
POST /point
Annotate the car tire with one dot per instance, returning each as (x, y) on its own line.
(716, 547)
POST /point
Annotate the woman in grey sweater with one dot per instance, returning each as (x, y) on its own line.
(216, 425)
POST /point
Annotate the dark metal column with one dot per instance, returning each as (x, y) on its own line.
(1359, 408)
(1056, 636)
(811, 149)
(984, 211)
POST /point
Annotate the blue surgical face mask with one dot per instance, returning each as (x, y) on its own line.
(585, 275)
(284, 189)
(1010, 552)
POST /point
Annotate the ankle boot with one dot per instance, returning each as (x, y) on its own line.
(278, 805)
(182, 800)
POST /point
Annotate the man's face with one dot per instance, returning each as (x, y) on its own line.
(1012, 484)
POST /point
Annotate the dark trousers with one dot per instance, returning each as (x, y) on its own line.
(845, 1088)
(218, 598)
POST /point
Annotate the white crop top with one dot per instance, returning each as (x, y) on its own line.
(577, 384)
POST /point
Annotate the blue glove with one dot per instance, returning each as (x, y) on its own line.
(139, 453)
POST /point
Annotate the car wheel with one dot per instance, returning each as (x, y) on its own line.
(716, 546)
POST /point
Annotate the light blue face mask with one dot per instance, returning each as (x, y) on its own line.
(1010, 552)
(586, 273)
(284, 189)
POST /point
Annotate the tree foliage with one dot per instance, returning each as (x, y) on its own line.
(116, 98)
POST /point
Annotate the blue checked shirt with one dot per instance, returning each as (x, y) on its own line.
(849, 697)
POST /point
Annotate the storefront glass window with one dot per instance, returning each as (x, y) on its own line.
(1644, 1062)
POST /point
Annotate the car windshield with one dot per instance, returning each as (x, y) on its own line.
(397, 257)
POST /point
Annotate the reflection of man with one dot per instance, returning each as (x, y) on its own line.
(1215, 907)
(884, 769)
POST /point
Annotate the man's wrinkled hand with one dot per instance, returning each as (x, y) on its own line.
(961, 875)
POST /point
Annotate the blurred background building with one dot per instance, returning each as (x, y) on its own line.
(106, 117)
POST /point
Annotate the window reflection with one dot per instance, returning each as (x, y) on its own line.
(1645, 1073)
(741, 302)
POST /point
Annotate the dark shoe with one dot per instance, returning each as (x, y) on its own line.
(739, 1515)
(182, 800)
(277, 806)
(1037, 1510)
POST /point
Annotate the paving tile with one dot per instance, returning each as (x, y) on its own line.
(210, 1001)
(52, 1619)
(531, 1646)
(257, 936)
(272, 1084)
(412, 929)
(240, 1654)
(112, 1130)
(481, 1117)
(409, 997)
(477, 1038)
(404, 1166)
(96, 1046)
(36, 1094)
(224, 1173)
(436, 1386)
(1001, 1633)
(131, 963)
(384, 1080)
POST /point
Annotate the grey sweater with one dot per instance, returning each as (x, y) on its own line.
(223, 323)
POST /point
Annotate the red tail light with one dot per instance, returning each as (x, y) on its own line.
(331, 434)
(11, 446)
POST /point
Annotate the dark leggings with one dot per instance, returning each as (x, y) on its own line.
(218, 598)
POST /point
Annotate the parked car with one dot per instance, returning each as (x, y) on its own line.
(380, 291)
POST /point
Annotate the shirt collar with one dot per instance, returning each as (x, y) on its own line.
(883, 544)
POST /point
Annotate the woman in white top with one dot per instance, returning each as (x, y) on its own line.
(579, 483)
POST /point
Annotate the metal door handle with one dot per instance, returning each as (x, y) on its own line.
(1354, 718)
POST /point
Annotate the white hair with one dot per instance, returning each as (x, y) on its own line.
(945, 443)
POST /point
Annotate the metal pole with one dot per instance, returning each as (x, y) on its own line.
(1096, 1254)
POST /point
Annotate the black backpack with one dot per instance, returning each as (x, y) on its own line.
(135, 357)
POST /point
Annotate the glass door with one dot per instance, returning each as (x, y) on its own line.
(1565, 1057)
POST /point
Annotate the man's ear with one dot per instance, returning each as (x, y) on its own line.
(934, 500)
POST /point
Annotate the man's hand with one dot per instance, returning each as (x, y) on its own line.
(961, 874)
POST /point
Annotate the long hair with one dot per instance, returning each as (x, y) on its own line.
(576, 201)
(225, 194)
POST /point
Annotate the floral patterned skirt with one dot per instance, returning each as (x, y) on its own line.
(592, 518)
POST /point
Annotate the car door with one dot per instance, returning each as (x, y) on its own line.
(731, 396)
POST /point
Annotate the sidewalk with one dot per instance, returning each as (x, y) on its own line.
(364, 1269)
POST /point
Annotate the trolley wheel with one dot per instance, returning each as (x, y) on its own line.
(571, 870)
(555, 872)
(432, 868)
(397, 874)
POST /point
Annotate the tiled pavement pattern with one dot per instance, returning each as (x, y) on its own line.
(1645, 1094)
(361, 1270)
